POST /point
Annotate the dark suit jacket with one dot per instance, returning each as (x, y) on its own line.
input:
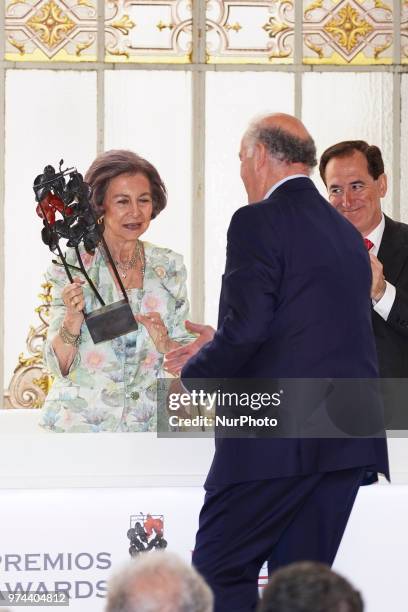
(295, 302)
(392, 335)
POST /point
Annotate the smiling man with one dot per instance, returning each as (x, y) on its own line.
(353, 172)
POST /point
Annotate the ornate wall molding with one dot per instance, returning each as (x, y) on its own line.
(51, 30)
(347, 32)
(30, 382)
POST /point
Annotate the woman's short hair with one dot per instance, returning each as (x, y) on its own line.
(112, 163)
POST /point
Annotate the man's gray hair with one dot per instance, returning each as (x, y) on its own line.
(158, 582)
(282, 145)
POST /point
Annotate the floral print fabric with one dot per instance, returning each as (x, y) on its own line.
(111, 386)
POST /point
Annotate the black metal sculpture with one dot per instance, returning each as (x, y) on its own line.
(67, 213)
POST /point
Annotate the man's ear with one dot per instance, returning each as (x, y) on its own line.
(259, 155)
(382, 184)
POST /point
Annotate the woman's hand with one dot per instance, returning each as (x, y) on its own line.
(157, 331)
(73, 298)
(65, 350)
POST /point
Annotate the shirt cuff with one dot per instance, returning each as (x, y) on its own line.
(384, 305)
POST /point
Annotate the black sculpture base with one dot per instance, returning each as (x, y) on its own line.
(111, 321)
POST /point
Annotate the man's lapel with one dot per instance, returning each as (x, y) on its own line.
(393, 251)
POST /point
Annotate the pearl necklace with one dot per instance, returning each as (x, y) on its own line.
(131, 264)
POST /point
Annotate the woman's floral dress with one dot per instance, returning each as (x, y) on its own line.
(111, 386)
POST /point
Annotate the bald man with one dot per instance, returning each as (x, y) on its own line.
(295, 303)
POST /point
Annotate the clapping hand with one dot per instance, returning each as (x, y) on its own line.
(378, 283)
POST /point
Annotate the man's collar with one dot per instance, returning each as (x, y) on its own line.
(279, 183)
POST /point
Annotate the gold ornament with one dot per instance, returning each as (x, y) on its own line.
(51, 24)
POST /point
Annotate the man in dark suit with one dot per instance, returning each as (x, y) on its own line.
(295, 303)
(353, 173)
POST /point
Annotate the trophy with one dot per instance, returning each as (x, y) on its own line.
(65, 208)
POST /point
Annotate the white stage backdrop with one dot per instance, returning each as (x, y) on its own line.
(75, 538)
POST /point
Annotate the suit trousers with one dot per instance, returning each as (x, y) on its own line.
(281, 520)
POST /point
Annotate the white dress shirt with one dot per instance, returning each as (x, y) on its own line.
(384, 305)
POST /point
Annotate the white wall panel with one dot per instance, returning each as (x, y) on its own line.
(49, 115)
(350, 106)
(150, 113)
(77, 538)
(233, 99)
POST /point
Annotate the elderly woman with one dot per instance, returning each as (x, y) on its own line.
(111, 386)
